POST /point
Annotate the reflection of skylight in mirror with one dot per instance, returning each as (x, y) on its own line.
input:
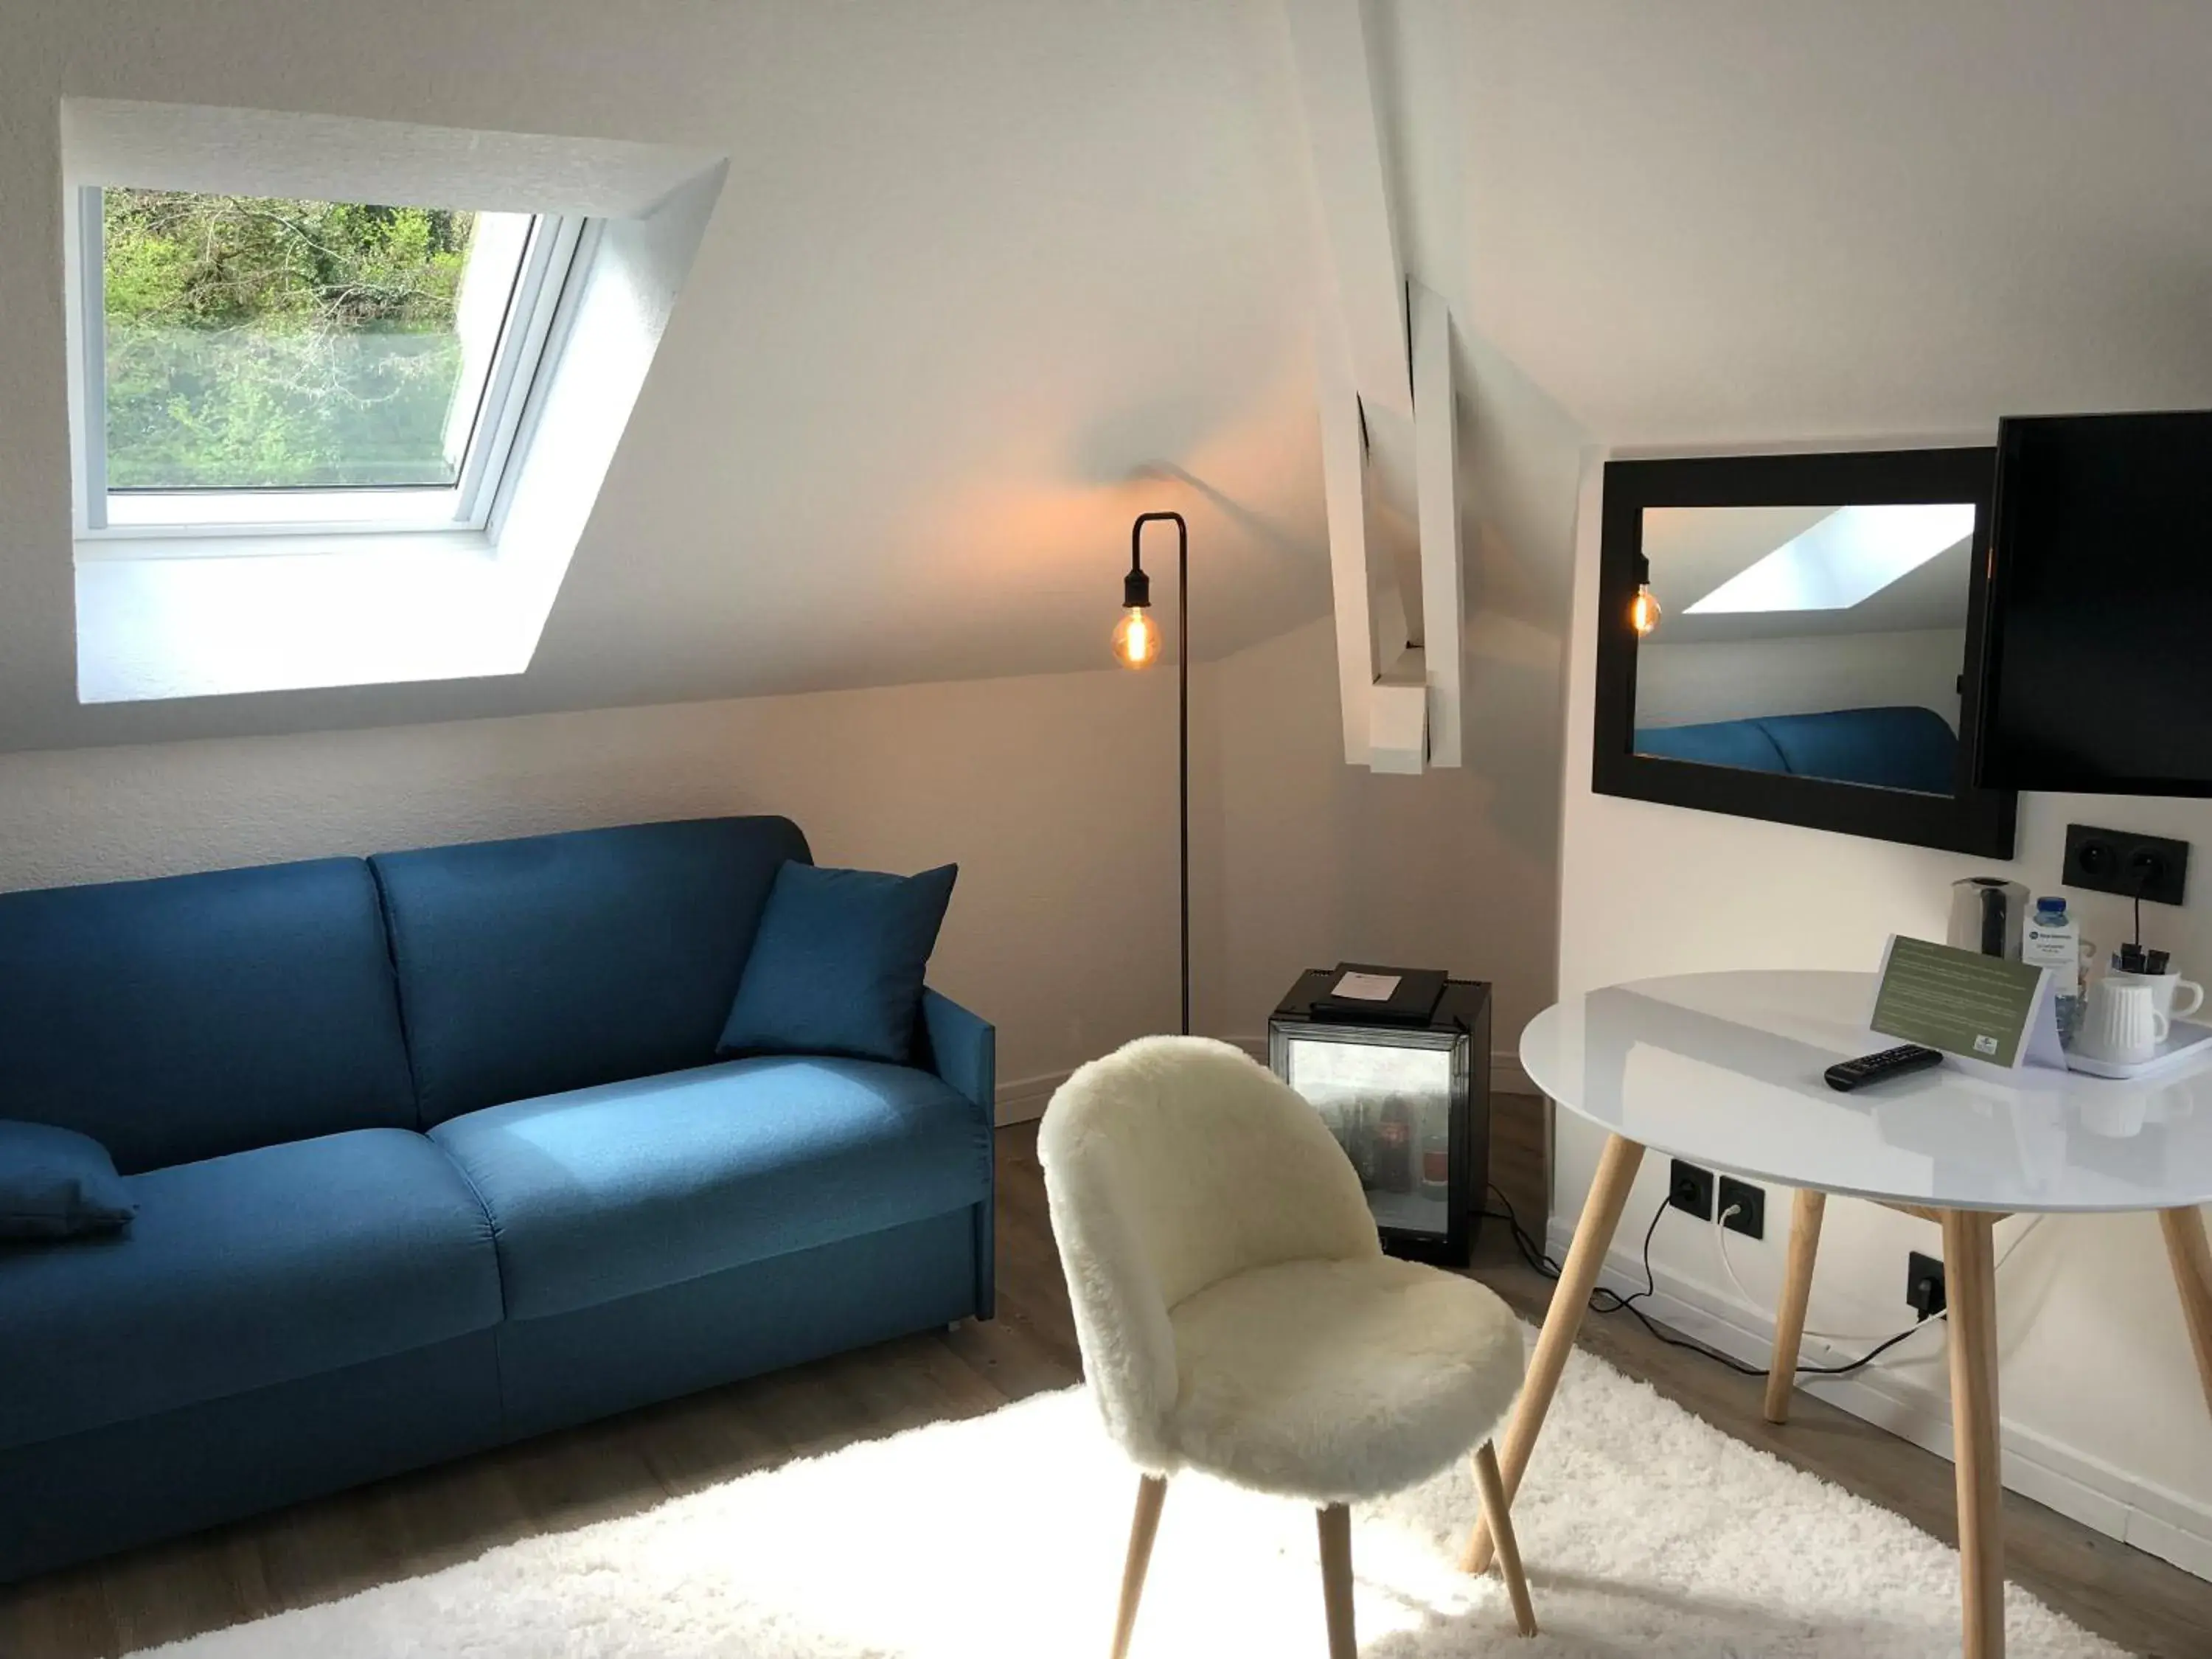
(1850, 555)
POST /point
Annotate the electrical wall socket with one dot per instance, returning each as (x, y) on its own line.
(1743, 1207)
(1689, 1188)
(1923, 1286)
(2121, 861)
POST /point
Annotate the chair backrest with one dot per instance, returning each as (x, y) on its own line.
(1170, 1165)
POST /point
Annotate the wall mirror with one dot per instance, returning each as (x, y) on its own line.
(1799, 638)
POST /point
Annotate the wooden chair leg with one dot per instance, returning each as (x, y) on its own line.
(1144, 1527)
(1335, 1524)
(1563, 1320)
(1796, 1292)
(1497, 1515)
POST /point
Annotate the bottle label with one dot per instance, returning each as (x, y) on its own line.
(2058, 949)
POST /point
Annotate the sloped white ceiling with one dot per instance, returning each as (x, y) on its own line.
(1711, 221)
(979, 259)
(975, 263)
(1695, 549)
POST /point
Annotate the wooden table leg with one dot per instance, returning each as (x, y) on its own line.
(1971, 1281)
(1805, 1215)
(2191, 1260)
(1498, 1515)
(1608, 1195)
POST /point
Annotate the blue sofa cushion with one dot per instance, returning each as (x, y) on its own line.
(1739, 743)
(607, 1192)
(837, 966)
(1888, 748)
(187, 1018)
(1898, 748)
(57, 1183)
(244, 1272)
(530, 967)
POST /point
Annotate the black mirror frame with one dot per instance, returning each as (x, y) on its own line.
(1971, 819)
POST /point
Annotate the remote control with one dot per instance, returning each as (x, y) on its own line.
(1849, 1074)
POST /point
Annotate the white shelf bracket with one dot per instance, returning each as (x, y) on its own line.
(1436, 471)
(1389, 437)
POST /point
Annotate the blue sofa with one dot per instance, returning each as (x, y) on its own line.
(431, 1152)
(1894, 748)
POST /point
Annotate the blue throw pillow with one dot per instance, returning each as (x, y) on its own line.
(57, 1183)
(837, 965)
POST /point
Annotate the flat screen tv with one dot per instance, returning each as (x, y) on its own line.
(2100, 660)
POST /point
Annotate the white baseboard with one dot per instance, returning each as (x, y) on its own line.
(2139, 1512)
(1024, 1099)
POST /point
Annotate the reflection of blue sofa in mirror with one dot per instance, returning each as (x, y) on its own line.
(434, 1151)
(1888, 748)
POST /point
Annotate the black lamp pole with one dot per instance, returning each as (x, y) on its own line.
(1137, 594)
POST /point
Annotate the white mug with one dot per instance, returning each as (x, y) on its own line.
(2119, 1114)
(2165, 990)
(2120, 1022)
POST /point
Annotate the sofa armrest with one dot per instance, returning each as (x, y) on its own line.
(962, 1049)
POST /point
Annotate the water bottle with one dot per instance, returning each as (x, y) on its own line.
(2053, 939)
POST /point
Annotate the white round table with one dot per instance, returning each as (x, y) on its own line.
(1725, 1070)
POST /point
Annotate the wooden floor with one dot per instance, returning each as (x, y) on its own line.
(397, 1529)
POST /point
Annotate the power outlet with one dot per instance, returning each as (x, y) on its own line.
(1743, 1207)
(1924, 1284)
(1689, 1188)
(2121, 861)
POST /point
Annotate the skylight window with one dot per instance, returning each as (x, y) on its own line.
(393, 361)
(260, 364)
(1849, 556)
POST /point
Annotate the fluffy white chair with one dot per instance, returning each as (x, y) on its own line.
(1237, 1314)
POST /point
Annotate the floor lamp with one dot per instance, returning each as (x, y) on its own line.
(1136, 645)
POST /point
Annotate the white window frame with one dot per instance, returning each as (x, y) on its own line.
(199, 522)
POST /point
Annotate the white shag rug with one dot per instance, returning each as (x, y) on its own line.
(1647, 1534)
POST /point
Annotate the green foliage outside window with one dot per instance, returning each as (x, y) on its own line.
(256, 343)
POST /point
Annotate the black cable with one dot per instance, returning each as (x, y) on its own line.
(1545, 1268)
(1627, 1303)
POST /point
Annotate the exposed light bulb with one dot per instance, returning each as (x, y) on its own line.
(1644, 612)
(1136, 640)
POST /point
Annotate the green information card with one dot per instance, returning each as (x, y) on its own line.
(1959, 1001)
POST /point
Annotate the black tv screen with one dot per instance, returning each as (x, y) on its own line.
(2100, 659)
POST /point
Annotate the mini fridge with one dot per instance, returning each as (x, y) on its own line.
(1407, 1094)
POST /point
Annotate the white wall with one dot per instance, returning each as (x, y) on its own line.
(2104, 1417)
(1730, 679)
(1322, 862)
(986, 280)
(1055, 794)
(1877, 222)
(974, 265)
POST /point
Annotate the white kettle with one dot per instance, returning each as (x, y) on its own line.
(1987, 915)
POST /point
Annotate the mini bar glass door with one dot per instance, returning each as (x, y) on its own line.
(1390, 1107)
